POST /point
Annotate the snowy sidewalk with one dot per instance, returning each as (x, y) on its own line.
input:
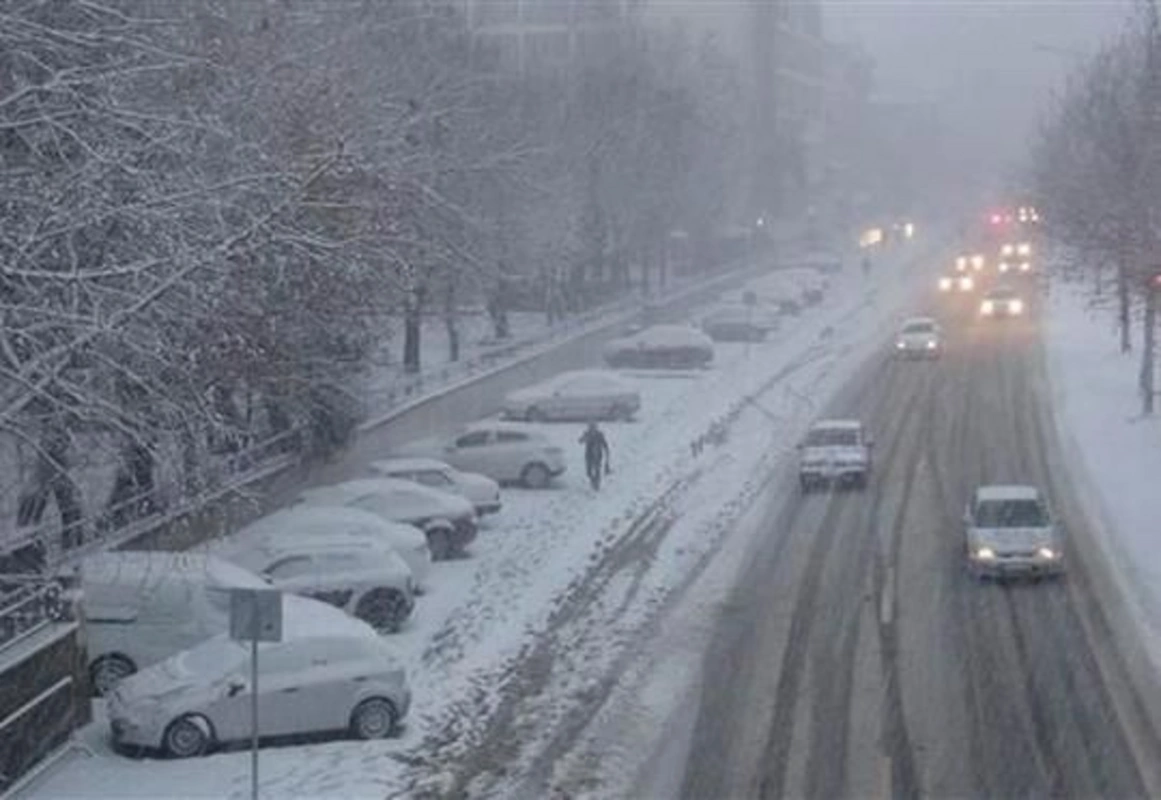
(1097, 407)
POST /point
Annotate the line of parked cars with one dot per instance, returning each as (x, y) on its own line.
(351, 561)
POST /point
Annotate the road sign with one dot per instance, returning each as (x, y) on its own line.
(256, 615)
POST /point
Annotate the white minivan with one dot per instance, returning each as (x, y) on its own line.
(142, 607)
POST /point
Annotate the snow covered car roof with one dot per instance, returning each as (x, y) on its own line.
(837, 424)
(311, 520)
(666, 335)
(144, 568)
(411, 464)
(1010, 492)
(361, 487)
(498, 425)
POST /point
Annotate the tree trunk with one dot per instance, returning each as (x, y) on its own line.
(450, 324)
(1124, 308)
(1148, 338)
(411, 330)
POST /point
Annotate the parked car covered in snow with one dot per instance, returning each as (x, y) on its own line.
(358, 572)
(406, 540)
(141, 607)
(480, 490)
(661, 347)
(330, 672)
(739, 323)
(447, 520)
(505, 451)
(575, 395)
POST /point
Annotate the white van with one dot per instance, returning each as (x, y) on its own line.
(142, 607)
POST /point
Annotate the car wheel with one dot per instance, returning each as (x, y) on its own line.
(439, 543)
(107, 671)
(385, 609)
(375, 718)
(534, 414)
(535, 476)
(187, 737)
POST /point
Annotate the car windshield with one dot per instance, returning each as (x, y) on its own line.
(919, 327)
(1010, 514)
(832, 437)
(216, 656)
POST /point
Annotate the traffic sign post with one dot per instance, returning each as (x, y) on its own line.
(255, 616)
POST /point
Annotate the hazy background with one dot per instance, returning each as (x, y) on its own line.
(989, 65)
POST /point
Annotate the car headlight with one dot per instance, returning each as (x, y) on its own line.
(1003, 266)
(961, 263)
(1016, 306)
(1025, 250)
(1025, 266)
(1048, 553)
(931, 344)
(978, 262)
(944, 284)
(985, 554)
(1006, 250)
(901, 345)
(987, 307)
(967, 284)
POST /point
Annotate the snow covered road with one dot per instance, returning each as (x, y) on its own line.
(514, 653)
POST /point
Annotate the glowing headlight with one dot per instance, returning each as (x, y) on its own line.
(1025, 266)
(961, 263)
(987, 307)
(1016, 306)
(985, 554)
(977, 262)
(1006, 250)
(901, 345)
(1024, 249)
(931, 345)
(1048, 553)
(1003, 266)
(944, 284)
(966, 284)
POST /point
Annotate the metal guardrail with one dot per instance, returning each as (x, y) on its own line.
(26, 607)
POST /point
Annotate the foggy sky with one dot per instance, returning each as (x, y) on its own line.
(990, 65)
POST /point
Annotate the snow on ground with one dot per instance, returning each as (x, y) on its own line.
(514, 653)
(1097, 405)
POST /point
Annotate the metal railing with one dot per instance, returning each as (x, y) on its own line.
(28, 605)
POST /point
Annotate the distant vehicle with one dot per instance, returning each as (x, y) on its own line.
(825, 261)
(356, 571)
(1008, 531)
(448, 520)
(504, 451)
(739, 323)
(408, 541)
(141, 607)
(835, 452)
(975, 263)
(957, 283)
(661, 347)
(575, 395)
(330, 672)
(919, 337)
(1016, 258)
(1001, 301)
(480, 490)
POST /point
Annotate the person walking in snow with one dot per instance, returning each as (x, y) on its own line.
(596, 454)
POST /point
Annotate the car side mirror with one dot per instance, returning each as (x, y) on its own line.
(236, 688)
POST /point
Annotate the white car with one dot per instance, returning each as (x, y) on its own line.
(358, 572)
(329, 672)
(1009, 531)
(504, 451)
(919, 337)
(661, 347)
(1002, 301)
(835, 452)
(480, 490)
(141, 607)
(575, 395)
(408, 541)
(448, 520)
